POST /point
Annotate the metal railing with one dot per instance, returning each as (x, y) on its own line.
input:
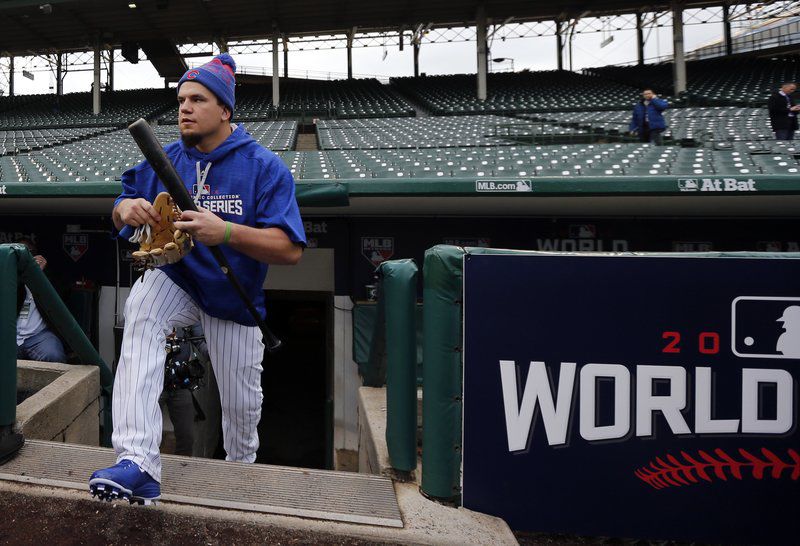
(17, 265)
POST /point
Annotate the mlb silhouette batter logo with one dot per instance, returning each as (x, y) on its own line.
(789, 342)
(766, 327)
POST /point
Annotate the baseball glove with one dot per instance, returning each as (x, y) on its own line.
(164, 243)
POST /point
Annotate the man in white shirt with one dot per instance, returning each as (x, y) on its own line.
(35, 341)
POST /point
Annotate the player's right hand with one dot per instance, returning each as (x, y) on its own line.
(136, 212)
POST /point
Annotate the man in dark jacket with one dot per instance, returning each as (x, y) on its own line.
(648, 122)
(35, 340)
(783, 112)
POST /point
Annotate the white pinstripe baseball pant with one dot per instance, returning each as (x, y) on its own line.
(154, 307)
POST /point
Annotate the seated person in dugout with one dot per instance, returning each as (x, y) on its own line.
(36, 339)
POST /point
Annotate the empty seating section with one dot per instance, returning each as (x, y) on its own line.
(430, 132)
(99, 159)
(517, 92)
(368, 131)
(697, 123)
(342, 99)
(318, 98)
(75, 109)
(623, 159)
(18, 101)
(104, 157)
(739, 81)
(12, 142)
(273, 135)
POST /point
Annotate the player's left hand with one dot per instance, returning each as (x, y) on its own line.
(205, 226)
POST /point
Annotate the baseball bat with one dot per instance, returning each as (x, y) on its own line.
(146, 139)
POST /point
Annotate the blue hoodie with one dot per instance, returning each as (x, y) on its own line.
(246, 184)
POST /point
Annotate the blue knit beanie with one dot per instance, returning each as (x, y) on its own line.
(218, 76)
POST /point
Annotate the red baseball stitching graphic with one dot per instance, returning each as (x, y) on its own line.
(661, 474)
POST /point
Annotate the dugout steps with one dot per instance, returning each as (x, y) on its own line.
(319, 494)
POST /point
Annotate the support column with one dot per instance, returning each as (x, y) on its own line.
(96, 84)
(110, 82)
(350, 54)
(59, 74)
(679, 72)
(559, 46)
(483, 61)
(416, 56)
(276, 91)
(639, 40)
(11, 77)
(570, 39)
(285, 57)
(726, 28)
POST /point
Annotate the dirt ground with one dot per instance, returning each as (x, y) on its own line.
(33, 520)
(28, 520)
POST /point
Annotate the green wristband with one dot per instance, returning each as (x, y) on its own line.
(227, 238)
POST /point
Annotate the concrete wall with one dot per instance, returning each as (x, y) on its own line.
(66, 405)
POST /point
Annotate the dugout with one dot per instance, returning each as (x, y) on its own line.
(311, 386)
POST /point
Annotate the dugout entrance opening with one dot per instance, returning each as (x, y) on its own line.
(297, 413)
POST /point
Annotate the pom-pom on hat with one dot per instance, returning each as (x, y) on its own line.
(218, 75)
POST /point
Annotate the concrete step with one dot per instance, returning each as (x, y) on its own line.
(307, 142)
(319, 494)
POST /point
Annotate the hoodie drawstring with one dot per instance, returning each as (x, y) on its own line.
(201, 182)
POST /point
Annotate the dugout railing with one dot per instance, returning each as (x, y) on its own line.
(18, 266)
(393, 360)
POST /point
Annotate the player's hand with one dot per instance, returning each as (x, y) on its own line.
(136, 212)
(41, 261)
(795, 108)
(205, 227)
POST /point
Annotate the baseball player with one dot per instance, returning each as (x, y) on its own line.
(246, 205)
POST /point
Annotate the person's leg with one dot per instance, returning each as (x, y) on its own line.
(181, 413)
(644, 134)
(236, 353)
(790, 134)
(657, 137)
(44, 346)
(154, 306)
(781, 134)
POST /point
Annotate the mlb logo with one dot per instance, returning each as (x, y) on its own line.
(206, 189)
(377, 249)
(523, 185)
(582, 231)
(75, 245)
(688, 184)
(766, 327)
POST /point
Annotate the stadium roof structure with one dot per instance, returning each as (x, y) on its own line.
(35, 27)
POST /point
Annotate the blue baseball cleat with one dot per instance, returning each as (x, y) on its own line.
(125, 481)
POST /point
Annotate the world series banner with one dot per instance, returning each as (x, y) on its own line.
(634, 396)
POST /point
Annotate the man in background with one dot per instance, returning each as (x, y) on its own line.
(783, 112)
(648, 121)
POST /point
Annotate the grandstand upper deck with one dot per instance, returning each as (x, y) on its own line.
(743, 81)
(557, 90)
(361, 98)
(75, 109)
